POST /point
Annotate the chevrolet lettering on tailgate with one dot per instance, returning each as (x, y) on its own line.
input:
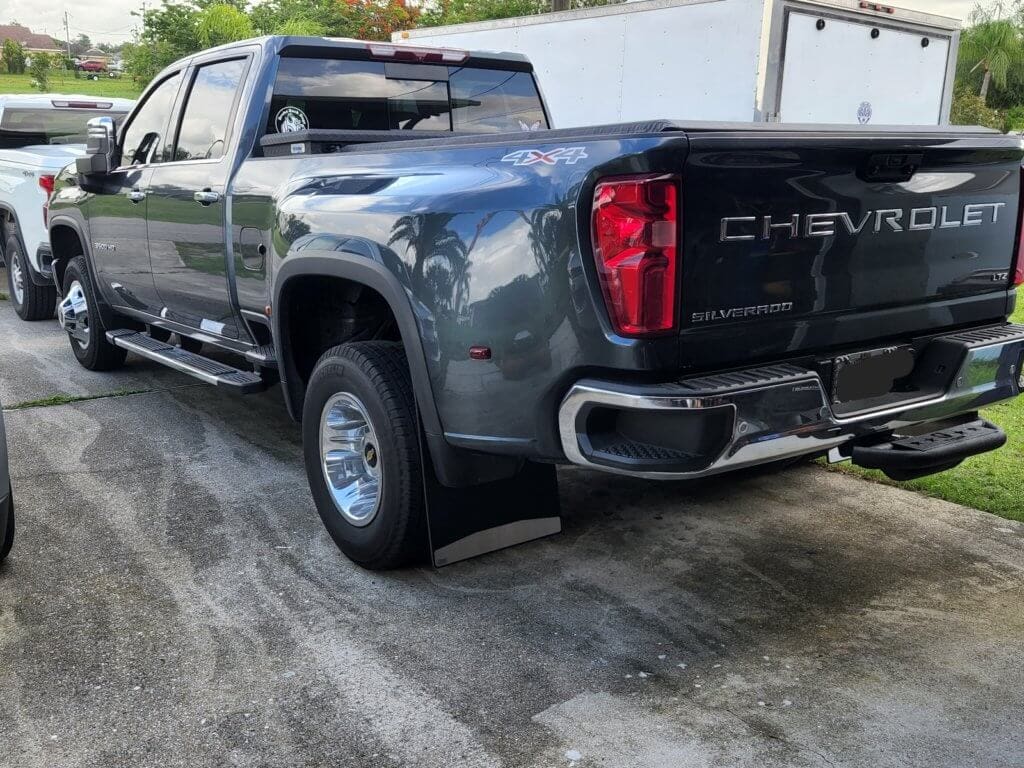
(739, 228)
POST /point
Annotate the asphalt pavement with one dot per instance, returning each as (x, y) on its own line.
(172, 600)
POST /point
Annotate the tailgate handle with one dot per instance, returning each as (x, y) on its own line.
(898, 166)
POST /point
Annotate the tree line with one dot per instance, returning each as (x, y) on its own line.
(990, 68)
(181, 27)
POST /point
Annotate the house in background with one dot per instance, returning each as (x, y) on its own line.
(30, 41)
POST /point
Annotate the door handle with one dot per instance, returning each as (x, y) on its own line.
(206, 197)
(136, 195)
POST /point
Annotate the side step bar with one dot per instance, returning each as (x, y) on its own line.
(202, 368)
(911, 457)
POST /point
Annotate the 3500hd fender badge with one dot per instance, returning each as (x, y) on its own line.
(567, 155)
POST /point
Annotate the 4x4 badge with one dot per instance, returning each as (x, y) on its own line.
(567, 155)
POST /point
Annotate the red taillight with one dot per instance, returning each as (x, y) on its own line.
(46, 184)
(635, 229)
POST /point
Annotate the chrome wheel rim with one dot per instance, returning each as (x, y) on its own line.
(350, 458)
(73, 314)
(17, 278)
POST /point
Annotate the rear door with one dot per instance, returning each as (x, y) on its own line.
(186, 214)
(839, 70)
(117, 208)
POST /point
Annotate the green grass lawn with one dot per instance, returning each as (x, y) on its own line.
(66, 82)
(993, 482)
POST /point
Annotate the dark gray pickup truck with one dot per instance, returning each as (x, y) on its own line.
(456, 297)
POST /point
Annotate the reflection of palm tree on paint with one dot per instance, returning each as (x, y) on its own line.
(543, 223)
(432, 242)
(544, 235)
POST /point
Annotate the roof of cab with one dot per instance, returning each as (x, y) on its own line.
(274, 44)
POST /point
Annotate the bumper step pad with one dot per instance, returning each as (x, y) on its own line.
(910, 457)
(202, 368)
(263, 356)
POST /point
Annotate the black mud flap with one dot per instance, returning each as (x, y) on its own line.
(912, 457)
(466, 522)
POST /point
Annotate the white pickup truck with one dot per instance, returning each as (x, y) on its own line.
(40, 135)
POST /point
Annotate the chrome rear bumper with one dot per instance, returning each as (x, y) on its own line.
(712, 424)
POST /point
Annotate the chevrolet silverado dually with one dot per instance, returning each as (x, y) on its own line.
(456, 297)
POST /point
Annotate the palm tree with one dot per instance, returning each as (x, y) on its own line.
(992, 45)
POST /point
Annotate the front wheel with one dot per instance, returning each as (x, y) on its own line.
(361, 447)
(79, 316)
(31, 301)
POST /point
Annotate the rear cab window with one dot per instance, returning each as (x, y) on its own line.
(28, 126)
(337, 94)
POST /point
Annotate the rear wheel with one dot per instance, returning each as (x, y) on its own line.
(362, 454)
(80, 318)
(31, 301)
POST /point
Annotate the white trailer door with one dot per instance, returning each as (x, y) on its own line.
(841, 74)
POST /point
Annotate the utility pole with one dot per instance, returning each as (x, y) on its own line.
(67, 32)
(139, 31)
(559, 5)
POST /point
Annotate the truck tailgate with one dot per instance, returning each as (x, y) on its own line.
(806, 240)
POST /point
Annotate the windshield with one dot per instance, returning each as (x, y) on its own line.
(23, 127)
(373, 96)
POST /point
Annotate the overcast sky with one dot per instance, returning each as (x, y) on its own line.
(110, 20)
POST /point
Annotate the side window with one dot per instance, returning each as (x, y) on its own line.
(144, 132)
(205, 121)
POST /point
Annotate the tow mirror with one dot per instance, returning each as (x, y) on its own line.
(100, 148)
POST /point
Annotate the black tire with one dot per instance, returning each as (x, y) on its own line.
(377, 374)
(97, 354)
(7, 539)
(38, 302)
(191, 345)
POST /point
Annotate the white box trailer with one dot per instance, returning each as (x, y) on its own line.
(840, 61)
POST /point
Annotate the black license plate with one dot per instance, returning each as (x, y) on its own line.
(866, 375)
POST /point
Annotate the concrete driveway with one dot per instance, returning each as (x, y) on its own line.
(172, 600)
